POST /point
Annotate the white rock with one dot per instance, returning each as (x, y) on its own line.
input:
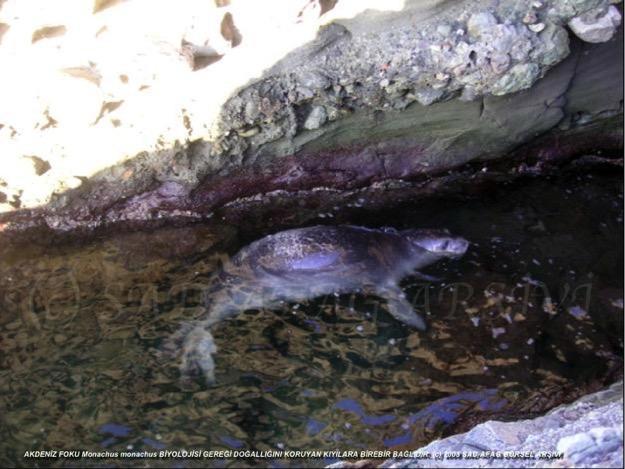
(575, 444)
(72, 101)
(538, 27)
(606, 435)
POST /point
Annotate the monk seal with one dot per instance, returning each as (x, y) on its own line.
(305, 263)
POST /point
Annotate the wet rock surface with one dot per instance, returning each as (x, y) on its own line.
(365, 88)
(586, 433)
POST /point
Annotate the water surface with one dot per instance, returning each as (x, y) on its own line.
(531, 317)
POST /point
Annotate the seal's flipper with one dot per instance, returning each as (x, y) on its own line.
(197, 355)
(400, 308)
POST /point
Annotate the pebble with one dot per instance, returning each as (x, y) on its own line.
(248, 132)
(59, 339)
(530, 17)
(538, 27)
(549, 307)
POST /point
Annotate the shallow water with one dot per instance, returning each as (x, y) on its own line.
(531, 317)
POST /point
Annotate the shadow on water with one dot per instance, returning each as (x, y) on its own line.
(530, 317)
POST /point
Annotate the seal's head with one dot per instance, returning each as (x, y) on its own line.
(438, 242)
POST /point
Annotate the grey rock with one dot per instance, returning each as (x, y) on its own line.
(493, 436)
(499, 62)
(587, 433)
(597, 25)
(555, 45)
(586, 448)
(481, 22)
(569, 8)
(427, 96)
(316, 118)
(519, 77)
(575, 444)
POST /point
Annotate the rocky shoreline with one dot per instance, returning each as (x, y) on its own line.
(586, 433)
(375, 99)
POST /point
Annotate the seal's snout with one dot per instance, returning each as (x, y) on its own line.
(440, 242)
(456, 246)
(447, 246)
